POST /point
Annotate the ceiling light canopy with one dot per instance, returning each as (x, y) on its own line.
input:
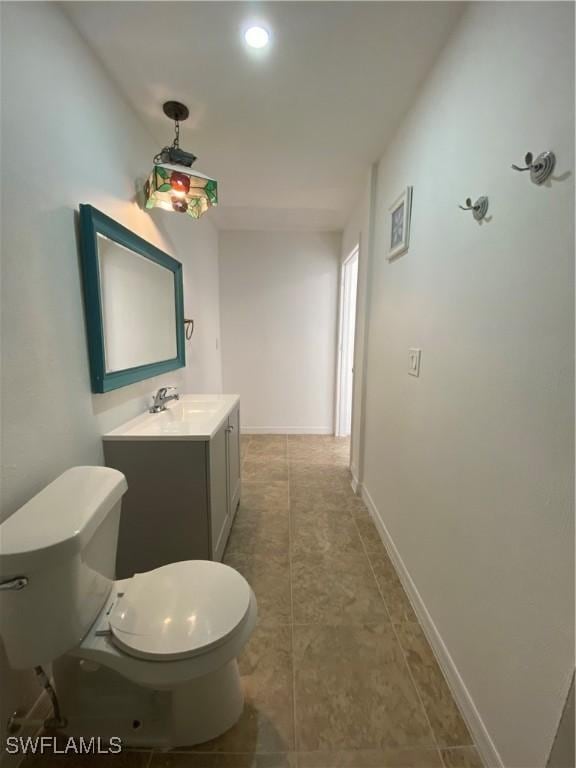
(257, 37)
(171, 185)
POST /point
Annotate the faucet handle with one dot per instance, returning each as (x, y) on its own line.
(161, 397)
(163, 391)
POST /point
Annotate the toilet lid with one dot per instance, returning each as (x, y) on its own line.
(179, 610)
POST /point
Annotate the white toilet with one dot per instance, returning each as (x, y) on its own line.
(150, 659)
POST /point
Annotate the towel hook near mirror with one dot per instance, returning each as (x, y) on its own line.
(188, 328)
(479, 209)
(541, 168)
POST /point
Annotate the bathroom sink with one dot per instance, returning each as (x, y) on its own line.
(192, 417)
(187, 410)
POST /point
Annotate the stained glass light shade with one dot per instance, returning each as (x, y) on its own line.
(178, 188)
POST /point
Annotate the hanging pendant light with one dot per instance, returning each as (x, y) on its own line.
(171, 184)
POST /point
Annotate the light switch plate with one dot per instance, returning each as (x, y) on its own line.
(414, 361)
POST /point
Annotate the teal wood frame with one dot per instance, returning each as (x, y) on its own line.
(92, 223)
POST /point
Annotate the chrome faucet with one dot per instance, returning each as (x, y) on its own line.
(162, 397)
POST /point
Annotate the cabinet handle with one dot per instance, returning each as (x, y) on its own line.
(230, 428)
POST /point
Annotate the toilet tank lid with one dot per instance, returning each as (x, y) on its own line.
(60, 520)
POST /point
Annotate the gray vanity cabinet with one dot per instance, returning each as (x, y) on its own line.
(233, 432)
(224, 481)
(181, 500)
(218, 491)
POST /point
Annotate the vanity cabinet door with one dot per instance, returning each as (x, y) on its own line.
(219, 515)
(165, 512)
(233, 435)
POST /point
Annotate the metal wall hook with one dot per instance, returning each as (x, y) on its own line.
(541, 168)
(188, 328)
(479, 209)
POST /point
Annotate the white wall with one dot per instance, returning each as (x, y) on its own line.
(198, 250)
(278, 305)
(470, 466)
(68, 138)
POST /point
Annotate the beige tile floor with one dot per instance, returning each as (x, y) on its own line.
(338, 673)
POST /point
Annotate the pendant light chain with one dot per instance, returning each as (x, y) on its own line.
(175, 144)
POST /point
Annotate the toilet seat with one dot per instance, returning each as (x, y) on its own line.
(99, 648)
(179, 611)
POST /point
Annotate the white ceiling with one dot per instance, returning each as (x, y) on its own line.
(288, 132)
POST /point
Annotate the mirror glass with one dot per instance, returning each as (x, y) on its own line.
(138, 307)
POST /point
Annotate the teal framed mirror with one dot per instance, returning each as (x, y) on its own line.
(134, 304)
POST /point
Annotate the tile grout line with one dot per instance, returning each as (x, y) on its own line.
(381, 593)
(400, 645)
(439, 746)
(295, 744)
(351, 513)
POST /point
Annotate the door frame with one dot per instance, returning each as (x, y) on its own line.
(344, 379)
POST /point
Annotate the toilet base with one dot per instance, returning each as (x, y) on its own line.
(207, 707)
(99, 702)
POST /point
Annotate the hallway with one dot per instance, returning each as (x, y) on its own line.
(338, 673)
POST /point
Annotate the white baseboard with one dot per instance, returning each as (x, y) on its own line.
(286, 431)
(479, 732)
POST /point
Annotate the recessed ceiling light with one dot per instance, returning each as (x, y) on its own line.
(257, 37)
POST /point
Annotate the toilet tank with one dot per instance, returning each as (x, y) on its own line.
(63, 543)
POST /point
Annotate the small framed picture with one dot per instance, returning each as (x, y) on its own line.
(400, 224)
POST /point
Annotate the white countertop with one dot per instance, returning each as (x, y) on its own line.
(193, 417)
